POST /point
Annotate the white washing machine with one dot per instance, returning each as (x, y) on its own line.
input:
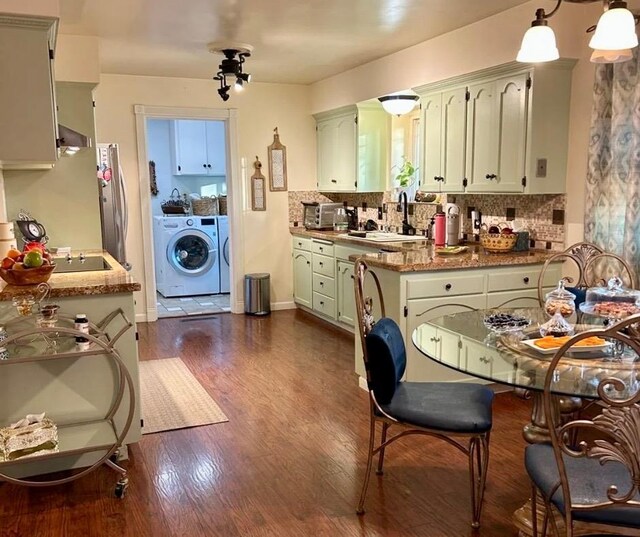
(186, 254)
(223, 253)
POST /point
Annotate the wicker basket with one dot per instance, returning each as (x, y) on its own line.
(222, 201)
(205, 206)
(498, 243)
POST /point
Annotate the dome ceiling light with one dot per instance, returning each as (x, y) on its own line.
(231, 71)
(613, 40)
(398, 104)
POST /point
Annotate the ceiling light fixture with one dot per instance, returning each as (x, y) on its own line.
(398, 104)
(612, 41)
(231, 68)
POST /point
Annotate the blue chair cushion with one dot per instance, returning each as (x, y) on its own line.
(387, 358)
(452, 407)
(588, 483)
(581, 295)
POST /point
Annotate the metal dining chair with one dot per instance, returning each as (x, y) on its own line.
(597, 479)
(457, 413)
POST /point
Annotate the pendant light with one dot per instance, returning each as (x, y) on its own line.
(539, 42)
(398, 105)
(616, 29)
(611, 56)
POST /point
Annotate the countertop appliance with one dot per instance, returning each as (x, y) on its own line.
(223, 253)
(319, 215)
(352, 215)
(186, 250)
(114, 212)
(453, 224)
(81, 263)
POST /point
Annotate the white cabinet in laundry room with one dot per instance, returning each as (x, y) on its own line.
(198, 147)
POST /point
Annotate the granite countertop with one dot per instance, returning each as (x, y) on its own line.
(420, 255)
(99, 282)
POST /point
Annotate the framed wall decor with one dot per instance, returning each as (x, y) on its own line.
(277, 164)
(258, 188)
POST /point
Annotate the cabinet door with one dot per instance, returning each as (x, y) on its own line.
(346, 294)
(432, 138)
(454, 131)
(482, 138)
(190, 141)
(419, 367)
(374, 142)
(511, 93)
(216, 148)
(325, 146)
(302, 285)
(345, 151)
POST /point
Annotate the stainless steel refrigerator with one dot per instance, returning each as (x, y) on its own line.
(114, 211)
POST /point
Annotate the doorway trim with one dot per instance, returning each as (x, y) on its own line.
(234, 194)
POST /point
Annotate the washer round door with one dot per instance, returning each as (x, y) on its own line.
(191, 252)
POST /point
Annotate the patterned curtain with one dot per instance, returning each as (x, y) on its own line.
(612, 212)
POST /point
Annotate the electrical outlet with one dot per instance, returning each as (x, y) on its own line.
(380, 217)
(541, 167)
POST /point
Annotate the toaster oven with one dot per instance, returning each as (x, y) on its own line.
(319, 215)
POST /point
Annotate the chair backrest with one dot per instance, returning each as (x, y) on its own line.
(383, 349)
(613, 436)
(587, 258)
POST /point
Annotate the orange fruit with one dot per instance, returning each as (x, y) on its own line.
(13, 253)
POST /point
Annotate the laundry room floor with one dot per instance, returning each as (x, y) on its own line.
(192, 305)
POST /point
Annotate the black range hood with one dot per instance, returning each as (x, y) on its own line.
(70, 142)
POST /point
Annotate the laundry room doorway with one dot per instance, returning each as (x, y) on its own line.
(189, 209)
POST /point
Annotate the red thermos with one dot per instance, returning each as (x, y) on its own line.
(440, 232)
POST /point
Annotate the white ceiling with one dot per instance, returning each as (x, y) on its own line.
(295, 41)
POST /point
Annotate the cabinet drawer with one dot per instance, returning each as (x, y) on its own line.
(324, 265)
(321, 247)
(443, 286)
(300, 243)
(518, 279)
(343, 252)
(324, 304)
(325, 285)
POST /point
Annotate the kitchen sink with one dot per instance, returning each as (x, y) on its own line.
(381, 236)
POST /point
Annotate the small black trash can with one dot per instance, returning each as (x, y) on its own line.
(257, 294)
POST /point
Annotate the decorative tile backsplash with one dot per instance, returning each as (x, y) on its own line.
(542, 215)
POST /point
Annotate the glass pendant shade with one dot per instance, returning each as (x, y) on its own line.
(538, 45)
(616, 31)
(611, 56)
(398, 104)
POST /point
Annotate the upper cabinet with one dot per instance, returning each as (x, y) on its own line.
(353, 149)
(198, 147)
(504, 129)
(27, 98)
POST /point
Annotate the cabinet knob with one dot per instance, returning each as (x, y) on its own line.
(321, 284)
(434, 339)
(208, 165)
(204, 165)
(321, 303)
(485, 360)
(333, 181)
(320, 263)
(488, 176)
(436, 178)
(448, 287)
(321, 249)
(526, 279)
(308, 263)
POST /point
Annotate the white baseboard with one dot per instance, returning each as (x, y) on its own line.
(291, 305)
(141, 318)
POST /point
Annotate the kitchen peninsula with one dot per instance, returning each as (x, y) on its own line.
(417, 285)
(76, 388)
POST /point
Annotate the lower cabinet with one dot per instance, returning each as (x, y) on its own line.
(419, 311)
(302, 278)
(346, 293)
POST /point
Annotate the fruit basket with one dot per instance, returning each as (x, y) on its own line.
(498, 242)
(27, 276)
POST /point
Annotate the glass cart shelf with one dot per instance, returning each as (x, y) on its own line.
(27, 342)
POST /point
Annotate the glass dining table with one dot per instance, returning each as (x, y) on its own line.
(462, 342)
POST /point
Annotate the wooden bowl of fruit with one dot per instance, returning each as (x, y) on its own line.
(496, 240)
(30, 267)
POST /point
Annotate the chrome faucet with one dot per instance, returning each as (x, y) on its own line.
(407, 228)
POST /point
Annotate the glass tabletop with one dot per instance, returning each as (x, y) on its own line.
(462, 342)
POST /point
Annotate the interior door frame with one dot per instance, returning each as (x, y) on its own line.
(234, 194)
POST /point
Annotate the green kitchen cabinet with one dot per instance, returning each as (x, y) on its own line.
(346, 293)
(353, 145)
(302, 283)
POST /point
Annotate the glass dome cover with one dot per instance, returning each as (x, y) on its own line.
(613, 300)
(560, 301)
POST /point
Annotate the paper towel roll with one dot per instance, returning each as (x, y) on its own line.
(6, 231)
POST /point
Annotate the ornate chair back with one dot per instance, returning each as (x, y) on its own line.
(612, 437)
(588, 259)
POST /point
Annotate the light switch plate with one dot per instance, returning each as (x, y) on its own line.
(541, 167)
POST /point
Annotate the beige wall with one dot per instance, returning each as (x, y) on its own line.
(77, 59)
(65, 198)
(260, 108)
(45, 8)
(492, 41)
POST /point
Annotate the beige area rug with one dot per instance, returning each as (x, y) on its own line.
(172, 398)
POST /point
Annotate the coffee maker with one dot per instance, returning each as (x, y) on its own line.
(453, 224)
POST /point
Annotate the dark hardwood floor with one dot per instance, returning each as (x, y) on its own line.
(289, 462)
